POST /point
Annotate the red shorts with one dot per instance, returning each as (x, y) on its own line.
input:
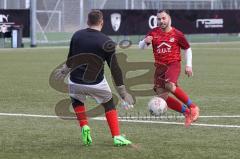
(169, 72)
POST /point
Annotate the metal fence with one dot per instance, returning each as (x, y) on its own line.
(58, 19)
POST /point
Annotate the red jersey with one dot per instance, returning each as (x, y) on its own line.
(166, 45)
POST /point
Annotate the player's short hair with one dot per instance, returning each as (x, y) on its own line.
(95, 17)
(164, 10)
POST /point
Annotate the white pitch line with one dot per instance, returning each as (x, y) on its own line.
(172, 123)
(126, 120)
(179, 116)
(36, 116)
(215, 48)
(219, 116)
(132, 117)
(215, 43)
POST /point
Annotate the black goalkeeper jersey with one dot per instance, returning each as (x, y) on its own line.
(89, 49)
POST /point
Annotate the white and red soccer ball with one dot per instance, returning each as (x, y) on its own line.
(157, 106)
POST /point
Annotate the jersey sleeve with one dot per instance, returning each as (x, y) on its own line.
(183, 41)
(116, 71)
(111, 59)
(109, 48)
(150, 33)
(70, 53)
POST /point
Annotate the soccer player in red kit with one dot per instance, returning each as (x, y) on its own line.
(167, 42)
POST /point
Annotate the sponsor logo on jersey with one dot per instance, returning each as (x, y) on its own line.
(116, 21)
(172, 40)
(163, 48)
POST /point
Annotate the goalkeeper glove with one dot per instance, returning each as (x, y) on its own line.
(128, 101)
(62, 72)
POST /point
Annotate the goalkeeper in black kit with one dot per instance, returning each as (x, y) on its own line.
(89, 49)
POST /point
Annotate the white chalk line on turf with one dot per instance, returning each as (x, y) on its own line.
(131, 120)
(36, 116)
(173, 123)
(132, 117)
(180, 116)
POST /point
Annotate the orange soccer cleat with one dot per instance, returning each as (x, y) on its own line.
(194, 113)
(188, 118)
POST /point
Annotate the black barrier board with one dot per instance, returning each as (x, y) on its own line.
(14, 17)
(139, 22)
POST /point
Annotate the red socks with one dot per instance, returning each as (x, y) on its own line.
(176, 105)
(112, 119)
(81, 115)
(183, 97)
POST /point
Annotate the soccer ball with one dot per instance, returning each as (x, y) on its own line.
(157, 106)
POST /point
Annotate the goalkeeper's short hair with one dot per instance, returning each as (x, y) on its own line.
(95, 17)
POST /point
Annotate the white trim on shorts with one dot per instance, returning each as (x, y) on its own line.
(101, 92)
